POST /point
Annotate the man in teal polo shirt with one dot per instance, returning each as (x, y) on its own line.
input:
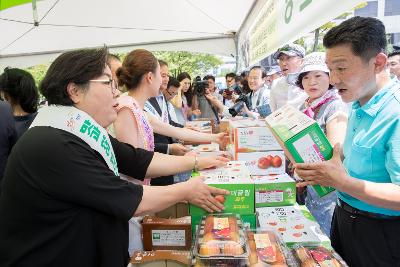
(366, 223)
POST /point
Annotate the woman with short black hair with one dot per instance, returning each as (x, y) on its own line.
(62, 201)
(18, 88)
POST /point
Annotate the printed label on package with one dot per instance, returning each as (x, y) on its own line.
(168, 237)
(269, 196)
(221, 223)
(308, 150)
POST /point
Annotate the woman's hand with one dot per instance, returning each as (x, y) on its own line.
(328, 173)
(219, 138)
(202, 195)
(177, 149)
(196, 112)
(211, 162)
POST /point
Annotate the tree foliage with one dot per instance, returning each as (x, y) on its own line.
(38, 72)
(193, 63)
(320, 32)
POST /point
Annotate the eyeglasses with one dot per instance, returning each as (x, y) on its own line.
(113, 84)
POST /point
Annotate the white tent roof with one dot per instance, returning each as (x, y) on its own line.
(246, 29)
(191, 25)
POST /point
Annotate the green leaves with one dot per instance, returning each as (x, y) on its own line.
(193, 63)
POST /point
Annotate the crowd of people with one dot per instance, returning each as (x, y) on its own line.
(106, 148)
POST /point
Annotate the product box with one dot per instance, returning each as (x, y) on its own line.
(264, 163)
(224, 125)
(204, 126)
(214, 154)
(294, 223)
(301, 138)
(213, 147)
(249, 135)
(166, 234)
(160, 258)
(274, 190)
(178, 210)
(234, 177)
(200, 125)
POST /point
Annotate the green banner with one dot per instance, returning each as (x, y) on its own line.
(4, 4)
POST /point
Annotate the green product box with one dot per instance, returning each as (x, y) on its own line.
(234, 177)
(295, 224)
(249, 221)
(274, 190)
(301, 138)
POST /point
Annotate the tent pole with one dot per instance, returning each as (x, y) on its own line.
(35, 14)
(236, 39)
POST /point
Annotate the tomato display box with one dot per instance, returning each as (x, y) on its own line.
(301, 138)
(294, 223)
(274, 190)
(234, 177)
(264, 163)
(249, 135)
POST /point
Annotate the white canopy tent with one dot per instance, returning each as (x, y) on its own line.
(191, 25)
(217, 27)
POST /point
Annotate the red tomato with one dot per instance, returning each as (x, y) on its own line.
(276, 161)
(264, 163)
(220, 198)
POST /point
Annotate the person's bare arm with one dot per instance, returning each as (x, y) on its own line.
(125, 127)
(195, 191)
(336, 130)
(332, 173)
(163, 165)
(183, 133)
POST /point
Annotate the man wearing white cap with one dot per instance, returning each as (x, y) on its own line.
(273, 73)
(283, 92)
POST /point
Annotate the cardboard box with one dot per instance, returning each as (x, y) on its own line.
(294, 223)
(166, 234)
(249, 221)
(264, 163)
(182, 209)
(178, 210)
(204, 126)
(200, 125)
(301, 138)
(251, 135)
(235, 177)
(274, 190)
(160, 258)
(214, 154)
(224, 125)
(205, 147)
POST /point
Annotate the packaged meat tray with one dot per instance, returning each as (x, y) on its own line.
(221, 241)
(317, 256)
(266, 249)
